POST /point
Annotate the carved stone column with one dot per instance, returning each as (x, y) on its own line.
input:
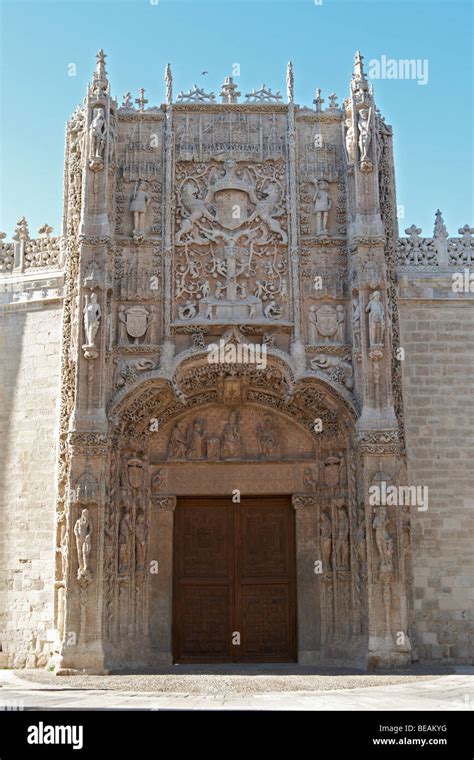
(389, 644)
(297, 348)
(80, 616)
(161, 582)
(308, 552)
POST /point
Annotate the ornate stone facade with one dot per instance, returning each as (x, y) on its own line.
(256, 225)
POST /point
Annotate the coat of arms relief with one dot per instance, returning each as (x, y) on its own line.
(231, 242)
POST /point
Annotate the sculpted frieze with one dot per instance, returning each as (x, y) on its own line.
(231, 261)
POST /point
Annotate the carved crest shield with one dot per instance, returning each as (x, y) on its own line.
(231, 208)
(332, 470)
(137, 321)
(327, 321)
(136, 472)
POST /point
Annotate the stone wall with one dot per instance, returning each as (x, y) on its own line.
(29, 396)
(438, 337)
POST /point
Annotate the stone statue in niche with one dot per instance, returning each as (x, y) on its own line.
(98, 139)
(267, 437)
(83, 534)
(124, 542)
(140, 540)
(177, 443)
(138, 206)
(364, 125)
(231, 442)
(342, 540)
(197, 447)
(376, 314)
(310, 478)
(326, 541)
(350, 142)
(355, 320)
(92, 314)
(322, 203)
(383, 540)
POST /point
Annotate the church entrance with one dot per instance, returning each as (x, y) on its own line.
(234, 581)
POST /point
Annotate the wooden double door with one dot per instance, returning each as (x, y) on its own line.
(234, 581)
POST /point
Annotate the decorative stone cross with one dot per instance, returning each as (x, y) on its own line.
(318, 101)
(141, 101)
(333, 101)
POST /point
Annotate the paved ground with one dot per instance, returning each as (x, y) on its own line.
(252, 687)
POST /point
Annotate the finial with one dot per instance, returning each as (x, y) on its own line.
(318, 101)
(359, 82)
(169, 85)
(229, 92)
(45, 230)
(99, 82)
(358, 65)
(440, 230)
(289, 82)
(333, 101)
(22, 232)
(141, 100)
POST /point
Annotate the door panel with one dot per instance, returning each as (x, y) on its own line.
(234, 572)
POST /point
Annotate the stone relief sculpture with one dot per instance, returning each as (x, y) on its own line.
(138, 206)
(158, 480)
(231, 224)
(322, 204)
(197, 445)
(133, 324)
(339, 368)
(231, 442)
(83, 534)
(376, 314)
(310, 478)
(177, 443)
(267, 437)
(327, 324)
(383, 540)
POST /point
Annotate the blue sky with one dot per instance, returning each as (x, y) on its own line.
(432, 123)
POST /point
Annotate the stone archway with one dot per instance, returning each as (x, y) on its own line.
(209, 432)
